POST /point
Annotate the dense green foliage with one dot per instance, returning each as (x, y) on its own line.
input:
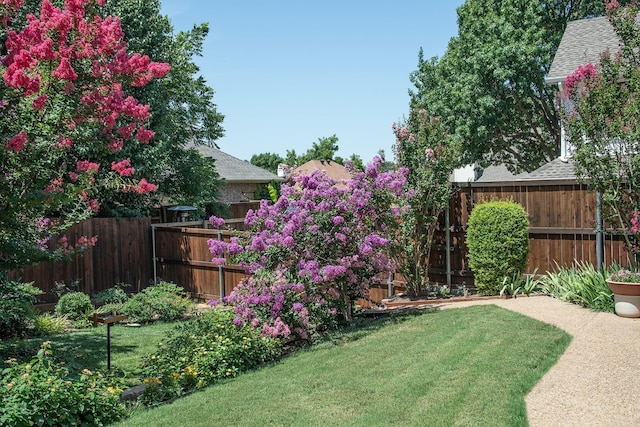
(324, 149)
(498, 241)
(489, 85)
(16, 307)
(42, 392)
(76, 306)
(163, 301)
(202, 351)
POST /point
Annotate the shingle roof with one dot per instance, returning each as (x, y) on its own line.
(556, 169)
(498, 173)
(582, 42)
(234, 170)
(332, 169)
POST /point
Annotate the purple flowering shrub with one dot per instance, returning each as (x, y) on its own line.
(315, 251)
(279, 308)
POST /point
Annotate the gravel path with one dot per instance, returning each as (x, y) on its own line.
(596, 382)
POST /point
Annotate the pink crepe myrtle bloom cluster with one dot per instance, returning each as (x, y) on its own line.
(330, 237)
(581, 74)
(123, 167)
(16, 143)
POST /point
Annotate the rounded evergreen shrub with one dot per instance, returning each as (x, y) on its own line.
(164, 301)
(498, 242)
(75, 306)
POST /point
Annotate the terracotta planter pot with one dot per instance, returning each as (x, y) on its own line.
(626, 298)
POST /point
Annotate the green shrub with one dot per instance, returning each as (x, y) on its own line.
(75, 306)
(48, 324)
(163, 301)
(114, 295)
(202, 351)
(16, 308)
(42, 392)
(581, 284)
(498, 242)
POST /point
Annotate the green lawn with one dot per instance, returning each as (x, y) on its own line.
(460, 367)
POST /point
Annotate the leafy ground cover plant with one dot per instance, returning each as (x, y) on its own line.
(42, 392)
(16, 307)
(206, 349)
(163, 301)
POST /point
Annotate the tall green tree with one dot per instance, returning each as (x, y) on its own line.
(489, 85)
(267, 161)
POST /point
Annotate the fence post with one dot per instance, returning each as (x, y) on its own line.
(220, 272)
(153, 254)
(599, 233)
(448, 245)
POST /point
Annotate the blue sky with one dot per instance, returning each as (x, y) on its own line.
(286, 73)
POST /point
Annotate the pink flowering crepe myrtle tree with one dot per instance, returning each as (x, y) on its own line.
(603, 125)
(315, 251)
(430, 155)
(62, 109)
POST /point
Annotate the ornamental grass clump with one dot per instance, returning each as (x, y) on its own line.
(581, 284)
(314, 252)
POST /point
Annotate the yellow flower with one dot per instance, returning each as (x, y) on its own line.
(176, 375)
(11, 384)
(87, 372)
(146, 381)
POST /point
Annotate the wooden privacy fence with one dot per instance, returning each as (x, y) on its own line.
(182, 256)
(122, 255)
(562, 230)
(562, 227)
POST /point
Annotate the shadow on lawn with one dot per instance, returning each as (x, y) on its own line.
(80, 349)
(368, 321)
